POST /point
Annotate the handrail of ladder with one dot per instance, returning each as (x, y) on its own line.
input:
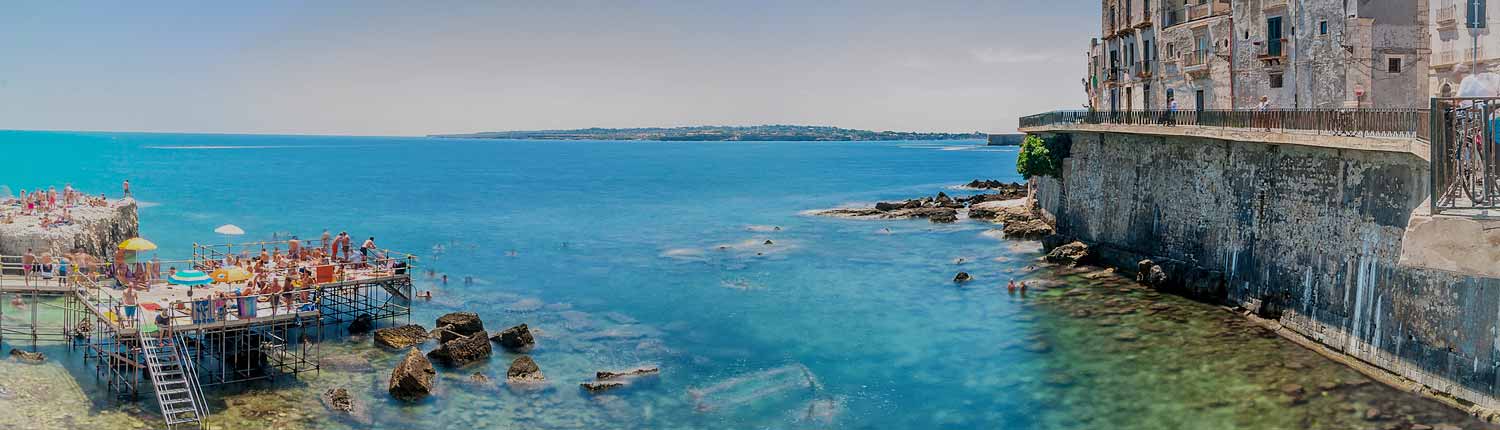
(190, 372)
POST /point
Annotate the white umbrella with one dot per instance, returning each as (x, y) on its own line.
(229, 230)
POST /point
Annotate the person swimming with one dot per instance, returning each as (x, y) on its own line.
(1012, 286)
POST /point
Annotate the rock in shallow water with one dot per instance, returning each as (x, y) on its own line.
(463, 350)
(362, 324)
(459, 324)
(411, 380)
(515, 338)
(1072, 253)
(604, 375)
(27, 356)
(524, 371)
(401, 337)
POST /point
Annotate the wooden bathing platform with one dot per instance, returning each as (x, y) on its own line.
(209, 339)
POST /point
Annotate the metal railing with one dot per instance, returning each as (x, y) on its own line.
(1338, 122)
(1464, 146)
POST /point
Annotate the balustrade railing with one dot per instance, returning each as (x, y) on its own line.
(1338, 122)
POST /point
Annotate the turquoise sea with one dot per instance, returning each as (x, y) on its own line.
(632, 253)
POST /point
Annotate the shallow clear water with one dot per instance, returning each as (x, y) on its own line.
(629, 253)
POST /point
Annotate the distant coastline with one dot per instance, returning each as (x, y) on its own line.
(760, 133)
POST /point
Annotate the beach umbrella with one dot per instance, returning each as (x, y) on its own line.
(190, 278)
(230, 274)
(137, 244)
(229, 230)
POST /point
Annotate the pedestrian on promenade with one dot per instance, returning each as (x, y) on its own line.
(1171, 116)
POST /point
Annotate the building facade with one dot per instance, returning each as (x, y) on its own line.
(1456, 51)
(1227, 54)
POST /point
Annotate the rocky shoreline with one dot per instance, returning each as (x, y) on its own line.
(1009, 206)
(940, 208)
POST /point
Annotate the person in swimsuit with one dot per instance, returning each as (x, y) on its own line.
(27, 263)
(130, 306)
(324, 243)
(293, 247)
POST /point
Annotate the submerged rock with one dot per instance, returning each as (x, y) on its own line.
(27, 356)
(524, 371)
(515, 338)
(601, 386)
(458, 324)
(962, 277)
(411, 380)
(362, 324)
(463, 350)
(401, 337)
(342, 405)
(943, 215)
(604, 375)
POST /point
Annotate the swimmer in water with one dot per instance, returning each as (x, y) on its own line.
(1012, 286)
(445, 279)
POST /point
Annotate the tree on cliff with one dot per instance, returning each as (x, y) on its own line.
(1036, 159)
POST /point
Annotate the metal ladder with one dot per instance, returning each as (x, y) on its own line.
(176, 383)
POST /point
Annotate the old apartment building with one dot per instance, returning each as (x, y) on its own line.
(1227, 54)
(1455, 50)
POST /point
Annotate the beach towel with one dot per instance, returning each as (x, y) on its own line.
(151, 306)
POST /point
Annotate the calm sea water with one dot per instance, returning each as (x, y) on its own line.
(633, 253)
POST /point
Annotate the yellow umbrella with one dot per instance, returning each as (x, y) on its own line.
(137, 244)
(231, 274)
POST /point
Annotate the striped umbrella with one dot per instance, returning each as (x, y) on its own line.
(190, 278)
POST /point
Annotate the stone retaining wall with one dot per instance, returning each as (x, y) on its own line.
(1307, 235)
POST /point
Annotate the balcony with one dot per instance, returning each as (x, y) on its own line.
(1272, 52)
(1142, 69)
(1196, 62)
(1185, 14)
(1145, 21)
(1447, 17)
(1471, 56)
(1445, 58)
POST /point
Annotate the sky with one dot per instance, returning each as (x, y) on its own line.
(398, 68)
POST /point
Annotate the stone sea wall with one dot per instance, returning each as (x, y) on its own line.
(94, 230)
(1309, 236)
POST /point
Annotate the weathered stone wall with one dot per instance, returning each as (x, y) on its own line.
(95, 230)
(1309, 235)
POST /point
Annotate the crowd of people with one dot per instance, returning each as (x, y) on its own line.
(285, 282)
(54, 207)
(38, 269)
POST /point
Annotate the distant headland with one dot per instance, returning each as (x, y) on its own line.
(758, 133)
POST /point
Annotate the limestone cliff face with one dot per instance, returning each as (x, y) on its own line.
(94, 230)
(1310, 236)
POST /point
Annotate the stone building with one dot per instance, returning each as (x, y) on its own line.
(1226, 54)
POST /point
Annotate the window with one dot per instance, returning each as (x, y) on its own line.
(1276, 80)
(1323, 27)
(1394, 65)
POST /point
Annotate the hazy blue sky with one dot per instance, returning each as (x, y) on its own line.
(418, 67)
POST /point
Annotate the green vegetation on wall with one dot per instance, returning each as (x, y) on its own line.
(1038, 158)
